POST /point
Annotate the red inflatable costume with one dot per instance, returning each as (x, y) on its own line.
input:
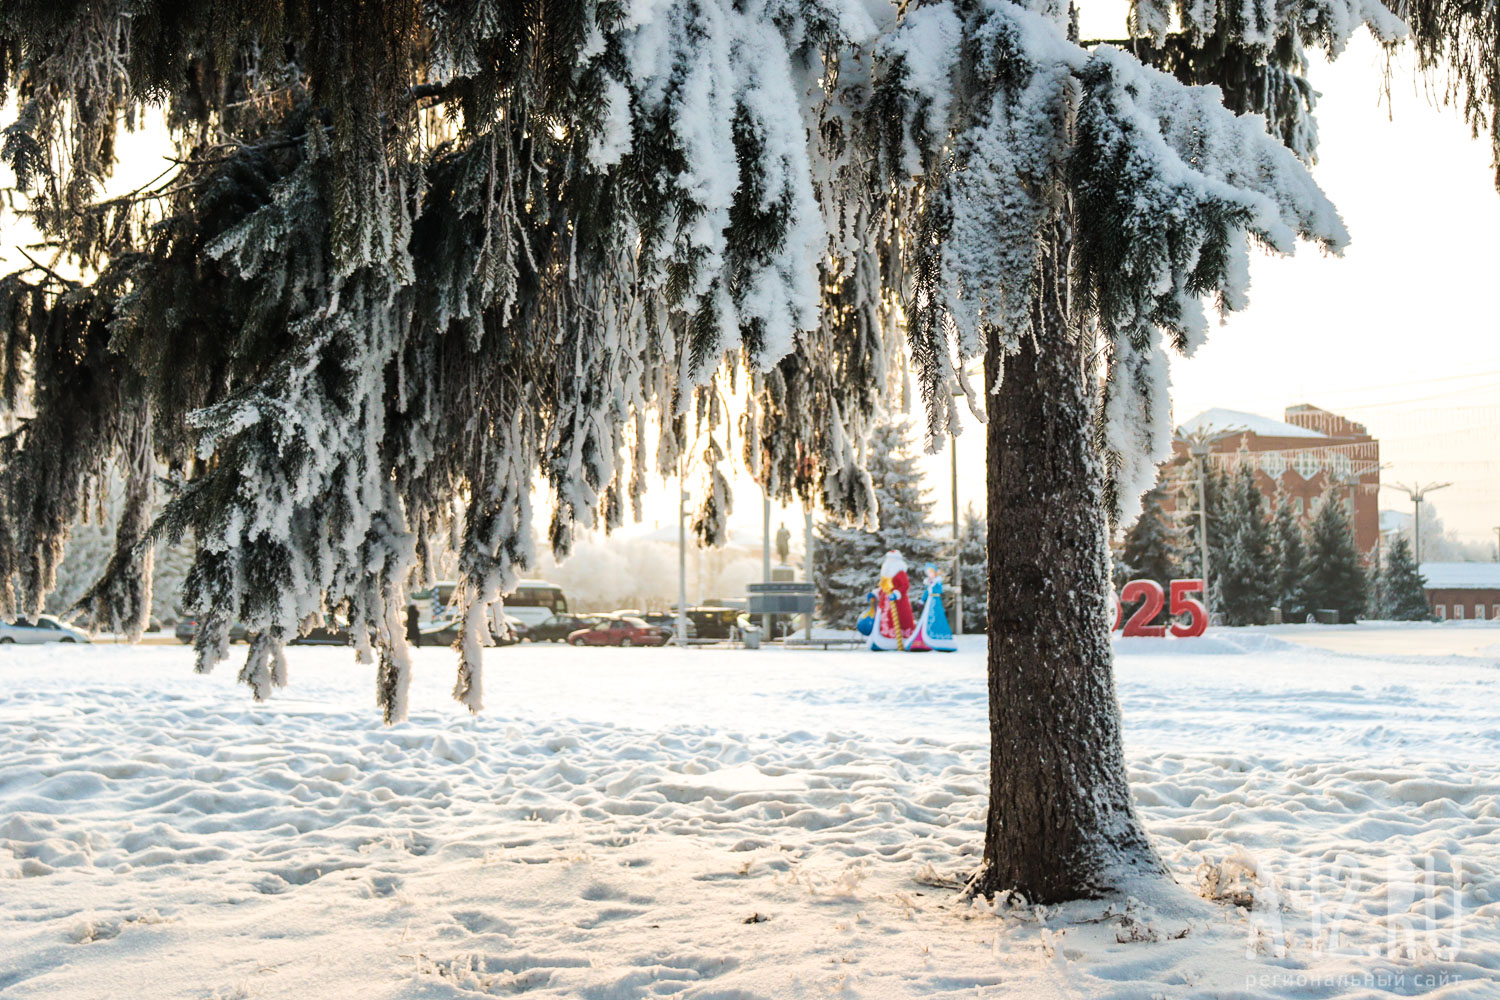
(894, 569)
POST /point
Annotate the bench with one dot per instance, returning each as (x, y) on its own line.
(831, 643)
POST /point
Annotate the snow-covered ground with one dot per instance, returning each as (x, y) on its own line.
(736, 824)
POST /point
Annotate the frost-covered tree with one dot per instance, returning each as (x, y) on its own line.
(90, 546)
(1150, 550)
(1440, 544)
(1246, 569)
(1289, 548)
(172, 563)
(1335, 580)
(848, 557)
(87, 552)
(1403, 589)
(408, 257)
(973, 565)
(1374, 590)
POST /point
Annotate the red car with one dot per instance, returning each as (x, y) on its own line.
(623, 631)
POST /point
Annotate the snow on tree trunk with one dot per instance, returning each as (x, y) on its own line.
(1060, 824)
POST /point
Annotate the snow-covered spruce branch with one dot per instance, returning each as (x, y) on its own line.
(365, 321)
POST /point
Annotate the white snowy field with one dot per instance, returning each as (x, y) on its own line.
(736, 824)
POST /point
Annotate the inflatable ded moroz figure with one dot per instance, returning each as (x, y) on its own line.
(933, 631)
(894, 622)
(886, 633)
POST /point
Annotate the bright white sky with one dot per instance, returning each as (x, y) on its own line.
(1398, 333)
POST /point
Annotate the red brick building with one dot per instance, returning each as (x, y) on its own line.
(1302, 457)
(1463, 591)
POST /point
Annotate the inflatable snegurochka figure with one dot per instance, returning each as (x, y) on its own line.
(933, 631)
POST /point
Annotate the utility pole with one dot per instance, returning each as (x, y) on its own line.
(765, 554)
(807, 559)
(1418, 493)
(1497, 543)
(682, 497)
(1198, 447)
(956, 579)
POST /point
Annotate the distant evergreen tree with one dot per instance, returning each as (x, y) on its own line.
(1375, 590)
(1405, 591)
(173, 560)
(1291, 563)
(85, 556)
(90, 547)
(1335, 580)
(1247, 573)
(1150, 550)
(972, 566)
(848, 559)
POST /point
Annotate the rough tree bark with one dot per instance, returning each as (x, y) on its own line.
(1061, 824)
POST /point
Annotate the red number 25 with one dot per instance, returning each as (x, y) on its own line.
(1150, 594)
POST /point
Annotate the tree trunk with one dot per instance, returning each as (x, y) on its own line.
(1061, 824)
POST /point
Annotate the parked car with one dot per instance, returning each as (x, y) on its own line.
(187, 631)
(44, 628)
(527, 617)
(617, 631)
(333, 631)
(668, 621)
(445, 632)
(557, 628)
(714, 622)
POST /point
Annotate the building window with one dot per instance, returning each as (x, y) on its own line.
(1458, 612)
(1341, 465)
(1272, 464)
(1297, 506)
(1306, 464)
(1479, 612)
(1494, 612)
(1441, 610)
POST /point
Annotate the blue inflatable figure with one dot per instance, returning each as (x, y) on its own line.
(933, 631)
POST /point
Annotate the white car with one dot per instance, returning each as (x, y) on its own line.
(44, 629)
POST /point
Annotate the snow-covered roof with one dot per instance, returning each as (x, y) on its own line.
(1218, 422)
(1394, 520)
(1461, 575)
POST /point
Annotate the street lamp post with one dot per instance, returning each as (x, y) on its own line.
(957, 580)
(957, 577)
(765, 553)
(682, 498)
(1418, 493)
(807, 561)
(1199, 447)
